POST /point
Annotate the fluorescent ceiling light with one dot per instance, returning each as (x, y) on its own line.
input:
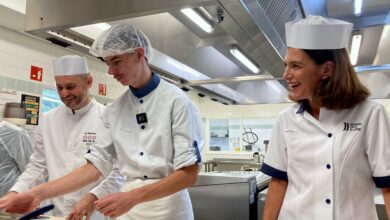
(197, 19)
(244, 60)
(358, 7)
(93, 30)
(356, 40)
(16, 5)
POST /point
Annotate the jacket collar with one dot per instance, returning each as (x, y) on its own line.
(304, 106)
(82, 110)
(148, 88)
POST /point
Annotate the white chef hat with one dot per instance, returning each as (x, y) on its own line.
(70, 65)
(318, 33)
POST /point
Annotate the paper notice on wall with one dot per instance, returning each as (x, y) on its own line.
(32, 108)
(7, 95)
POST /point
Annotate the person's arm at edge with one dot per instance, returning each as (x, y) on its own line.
(386, 197)
(36, 168)
(74, 180)
(274, 200)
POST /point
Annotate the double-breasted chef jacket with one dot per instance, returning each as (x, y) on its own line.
(63, 138)
(151, 132)
(333, 164)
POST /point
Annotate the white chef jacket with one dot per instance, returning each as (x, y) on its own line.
(152, 132)
(15, 150)
(62, 140)
(332, 164)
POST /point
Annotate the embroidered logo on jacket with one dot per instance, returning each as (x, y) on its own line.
(352, 126)
(89, 138)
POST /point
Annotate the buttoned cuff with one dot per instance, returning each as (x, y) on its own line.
(270, 171)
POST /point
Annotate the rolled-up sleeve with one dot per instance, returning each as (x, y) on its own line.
(112, 183)
(187, 134)
(102, 154)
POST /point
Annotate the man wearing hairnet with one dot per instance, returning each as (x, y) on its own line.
(15, 150)
(152, 130)
(64, 135)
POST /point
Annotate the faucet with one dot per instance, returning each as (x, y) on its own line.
(258, 157)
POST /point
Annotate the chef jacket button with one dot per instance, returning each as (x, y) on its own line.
(145, 177)
(142, 126)
(141, 153)
(327, 201)
(330, 135)
(328, 166)
(141, 101)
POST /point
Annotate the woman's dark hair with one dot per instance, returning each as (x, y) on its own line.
(343, 89)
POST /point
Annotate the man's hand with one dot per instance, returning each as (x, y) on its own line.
(8, 195)
(117, 204)
(19, 203)
(84, 207)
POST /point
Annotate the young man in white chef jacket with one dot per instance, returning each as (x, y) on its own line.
(65, 134)
(152, 130)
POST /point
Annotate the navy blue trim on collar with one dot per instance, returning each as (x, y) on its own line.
(270, 171)
(303, 107)
(382, 182)
(148, 88)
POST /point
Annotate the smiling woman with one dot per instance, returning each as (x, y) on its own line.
(315, 144)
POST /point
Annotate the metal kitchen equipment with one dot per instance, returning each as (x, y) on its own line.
(266, 142)
(227, 195)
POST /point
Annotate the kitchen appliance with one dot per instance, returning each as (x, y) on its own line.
(15, 113)
(227, 195)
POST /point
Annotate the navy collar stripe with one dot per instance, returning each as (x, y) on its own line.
(303, 107)
(148, 88)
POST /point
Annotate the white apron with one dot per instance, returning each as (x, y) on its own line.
(177, 206)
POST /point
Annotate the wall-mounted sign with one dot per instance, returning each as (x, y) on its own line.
(102, 89)
(36, 73)
(32, 108)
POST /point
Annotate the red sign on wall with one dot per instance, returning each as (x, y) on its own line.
(36, 73)
(102, 89)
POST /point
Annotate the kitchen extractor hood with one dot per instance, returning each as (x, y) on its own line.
(183, 50)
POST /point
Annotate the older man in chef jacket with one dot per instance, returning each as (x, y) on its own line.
(64, 136)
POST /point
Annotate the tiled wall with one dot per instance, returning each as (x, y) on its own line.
(18, 52)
